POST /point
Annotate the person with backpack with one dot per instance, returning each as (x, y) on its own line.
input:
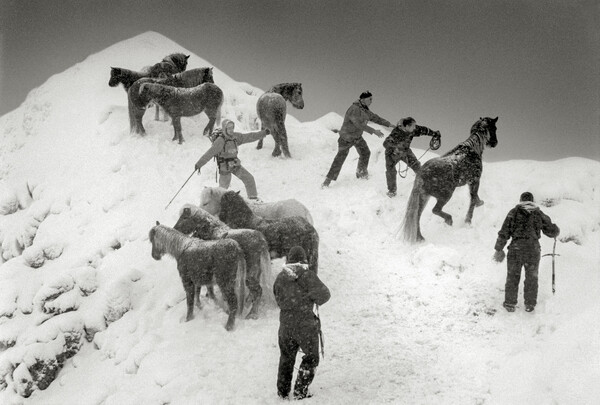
(397, 148)
(523, 224)
(224, 149)
(351, 135)
(297, 290)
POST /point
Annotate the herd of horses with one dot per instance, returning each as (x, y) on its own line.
(228, 240)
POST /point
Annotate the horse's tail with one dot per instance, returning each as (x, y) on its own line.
(410, 225)
(218, 115)
(136, 111)
(313, 254)
(241, 282)
(267, 278)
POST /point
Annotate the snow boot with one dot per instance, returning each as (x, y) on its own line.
(509, 307)
(391, 194)
(529, 308)
(303, 380)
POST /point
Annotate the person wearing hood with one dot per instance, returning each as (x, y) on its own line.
(297, 290)
(224, 147)
(351, 134)
(397, 148)
(523, 224)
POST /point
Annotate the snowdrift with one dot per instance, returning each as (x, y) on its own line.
(87, 316)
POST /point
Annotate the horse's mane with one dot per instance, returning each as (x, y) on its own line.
(234, 210)
(168, 240)
(285, 89)
(197, 212)
(476, 141)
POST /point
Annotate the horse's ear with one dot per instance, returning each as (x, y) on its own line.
(211, 68)
(237, 192)
(187, 56)
(495, 119)
(187, 211)
(480, 119)
(157, 223)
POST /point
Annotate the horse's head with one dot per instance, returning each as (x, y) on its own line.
(185, 224)
(210, 199)
(115, 73)
(234, 210)
(490, 124)
(179, 60)
(208, 76)
(296, 96)
(157, 253)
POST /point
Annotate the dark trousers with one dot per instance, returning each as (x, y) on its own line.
(392, 157)
(364, 153)
(290, 340)
(517, 259)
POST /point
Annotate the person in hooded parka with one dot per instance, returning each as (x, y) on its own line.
(523, 224)
(297, 290)
(225, 142)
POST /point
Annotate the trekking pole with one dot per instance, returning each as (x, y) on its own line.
(553, 254)
(188, 179)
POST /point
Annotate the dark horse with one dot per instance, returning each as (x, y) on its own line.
(199, 262)
(281, 234)
(171, 64)
(137, 104)
(256, 250)
(271, 110)
(440, 176)
(184, 102)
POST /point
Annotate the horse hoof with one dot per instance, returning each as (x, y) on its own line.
(479, 203)
(449, 222)
(229, 327)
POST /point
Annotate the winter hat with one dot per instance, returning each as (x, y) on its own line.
(225, 122)
(365, 94)
(526, 196)
(296, 255)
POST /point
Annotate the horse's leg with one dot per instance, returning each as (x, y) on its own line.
(253, 284)
(283, 141)
(197, 297)
(228, 290)
(423, 200)
(210, 292)
(157, 113)
(212, 117)
(437, 210)
(189, 288)
(177, 129)
(475, 201)
(277, 138)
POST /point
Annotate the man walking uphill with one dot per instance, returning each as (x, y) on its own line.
(355, 123)
(523, 224)
(297, 290)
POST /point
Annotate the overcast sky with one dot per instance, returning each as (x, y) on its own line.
(533, 63)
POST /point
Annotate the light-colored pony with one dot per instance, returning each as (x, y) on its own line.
(210, 200)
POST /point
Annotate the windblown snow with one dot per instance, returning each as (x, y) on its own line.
(88, 317)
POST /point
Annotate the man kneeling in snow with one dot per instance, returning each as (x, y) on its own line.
(523, 224)
(297, 290)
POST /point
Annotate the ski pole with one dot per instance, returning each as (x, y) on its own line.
(188, 179)
(553, 254)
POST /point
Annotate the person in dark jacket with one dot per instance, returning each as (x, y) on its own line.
(523, 224)
(225, 149)
(297, 290)
(355, 123)
(397, 148)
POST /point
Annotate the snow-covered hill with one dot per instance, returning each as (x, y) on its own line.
(406, 324)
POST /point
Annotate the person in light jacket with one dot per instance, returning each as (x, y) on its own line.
(224, 148)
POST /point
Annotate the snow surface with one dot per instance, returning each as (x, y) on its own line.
(408, 324)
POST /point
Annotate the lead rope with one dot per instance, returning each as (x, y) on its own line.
(404, 173)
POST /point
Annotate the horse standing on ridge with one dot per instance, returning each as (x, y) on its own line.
(137, 104)
(256, 250)
(281, 234)
(271, 110)
(199, 262)
(184, 102)
(171, 64)
(210, 201)
(440, 176)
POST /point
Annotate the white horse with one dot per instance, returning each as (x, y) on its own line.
(210, 200)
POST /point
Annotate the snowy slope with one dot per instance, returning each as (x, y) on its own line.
(406, 324)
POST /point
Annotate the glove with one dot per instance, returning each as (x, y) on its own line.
(268, 131)
(198, 167)
(499, 256)
(378, 133)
